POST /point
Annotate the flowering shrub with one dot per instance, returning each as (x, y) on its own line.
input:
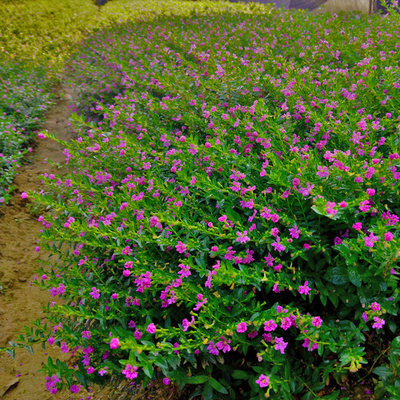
(24, 95)
(231, 215)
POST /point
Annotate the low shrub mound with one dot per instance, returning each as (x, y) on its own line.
(231, 218)
(24, 96)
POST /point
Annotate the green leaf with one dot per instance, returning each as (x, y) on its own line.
(196, 380)
(239, 374)
(148, 370)
(354, 277)
(217, 386)
(382, 372)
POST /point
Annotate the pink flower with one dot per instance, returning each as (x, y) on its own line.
(262, 381)
(138, 334)
(242, 237)
(212, 349)
(305, 289)
(95, 293)
(180, 247)
(378, 324)
(388, 236)
(74, 389)
(130, 371)
(370, 192)
(166, 381)
(151, 328)
(364, 316)
(316, 321)
(294, 232)
(370, 240)
(280, 345)
(223, 345)
(357, 226)
(270, 325)
(286, 323)
(24, 195)
(242, 327)
(114, 343)
(375, 306)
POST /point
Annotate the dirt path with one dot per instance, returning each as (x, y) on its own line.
(21, 303)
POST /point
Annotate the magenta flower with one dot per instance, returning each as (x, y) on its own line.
(280, 345)
(212, 349)
(316, 321)
(95, 293)
(180, 247)
(114, 343)
(279, 247)
(151, 328)
(262, 381)
(74, 389)
(375, 306)
(305, 289)
(223, 345)
(370, 240)
(294, 232)
(242, 327)
(378, 324)
(166, 381)
(138, 334)
(130, 371)
(270, 325)
(242, 237)
(388, 236)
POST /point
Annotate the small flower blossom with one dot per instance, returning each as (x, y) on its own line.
(280, 345)
(242, 237)
(270, 325)
(114, 343)
(130, 371)
(305, 289)
(242, 327)
(151, 328)
(262, 381)
(378, 323)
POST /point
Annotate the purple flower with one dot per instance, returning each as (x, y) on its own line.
(212, 349)
(242, 237)
(388, 236)
(280, 345)
(114, 343)
(294, 232)
(95, 293)
(262, 381)
(166, 381)
(180, 247)
(151, 328)
(74, 389)
(270, 325)
(279, 247)
(305, 289)
(242, 327)
(223, 345)
(130, 371)
(378, 324)
(316, 321)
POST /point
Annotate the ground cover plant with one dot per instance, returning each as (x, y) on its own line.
(33, 52)
(231, 217)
